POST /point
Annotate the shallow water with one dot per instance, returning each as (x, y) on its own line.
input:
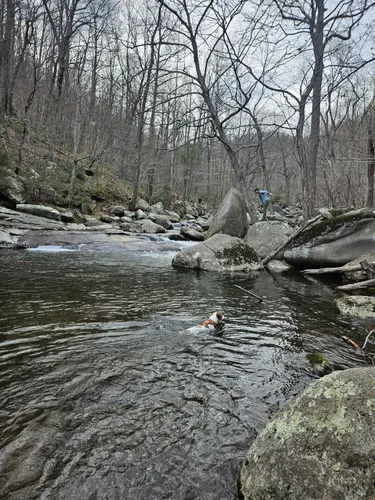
(104, 397)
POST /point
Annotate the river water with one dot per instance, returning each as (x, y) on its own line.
(104, 397)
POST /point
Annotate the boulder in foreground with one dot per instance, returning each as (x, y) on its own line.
(219, 253)
(321, 446)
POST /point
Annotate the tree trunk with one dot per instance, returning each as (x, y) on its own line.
(371, 163)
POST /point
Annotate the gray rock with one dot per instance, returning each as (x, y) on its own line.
(19, 220)
(150, 227)
(231, 217)
(335, 241)
(40, 211)
(140, 214)
(126, 219)
(219, 253)
(191, 234)
(176, 237)
(117, 210)
(172, 216)
(162, 220)
(157, 208)
(362, 306)
(131, 227)
(321, 446)
(265, 236)
(142, 205)
(107, 218)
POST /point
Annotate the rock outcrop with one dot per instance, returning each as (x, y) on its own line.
(334, 241)
(321, 446)
(219, 253)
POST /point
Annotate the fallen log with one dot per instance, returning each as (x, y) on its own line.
(342, 269)
(356, 286)
(278, 249)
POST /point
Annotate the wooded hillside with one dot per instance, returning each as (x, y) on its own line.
(191, 98)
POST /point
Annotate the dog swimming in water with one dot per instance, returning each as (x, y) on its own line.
(214, 324)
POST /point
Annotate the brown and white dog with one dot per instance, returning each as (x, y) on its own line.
(213, 324)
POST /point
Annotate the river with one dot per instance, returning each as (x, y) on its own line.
(104, 397)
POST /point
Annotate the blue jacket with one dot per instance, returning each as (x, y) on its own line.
(264, 196)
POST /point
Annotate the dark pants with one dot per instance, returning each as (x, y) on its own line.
(265, 207)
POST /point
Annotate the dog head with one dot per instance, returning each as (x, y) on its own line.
(217, 317)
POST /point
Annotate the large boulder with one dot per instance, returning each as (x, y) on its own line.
(231, 217)
(265, 236)
(40, 211)
(334, 241)
(362, 306)
(321, 446)
(142, 205)
(219, 253)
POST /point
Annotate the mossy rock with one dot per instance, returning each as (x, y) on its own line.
(334, 241)
(321, 446)
(361, 306)
(219, 253)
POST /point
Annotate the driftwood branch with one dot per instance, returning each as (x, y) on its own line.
(362, 350)
(291, 238)
(356, 286)
(250, 293)
(342, 269)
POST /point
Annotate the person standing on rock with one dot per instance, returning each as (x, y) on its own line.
(265, 200)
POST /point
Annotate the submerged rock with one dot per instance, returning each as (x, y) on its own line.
(278, 266)
(219, 253)
(319, 364)
(321, 446)
(362, 306)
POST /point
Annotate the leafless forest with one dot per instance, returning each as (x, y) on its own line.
(192, 97)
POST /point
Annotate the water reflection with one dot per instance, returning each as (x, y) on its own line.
(103, 396)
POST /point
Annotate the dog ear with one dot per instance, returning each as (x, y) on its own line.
(219, 315)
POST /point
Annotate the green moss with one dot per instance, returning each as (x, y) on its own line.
(240, 254)
(330, 226)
